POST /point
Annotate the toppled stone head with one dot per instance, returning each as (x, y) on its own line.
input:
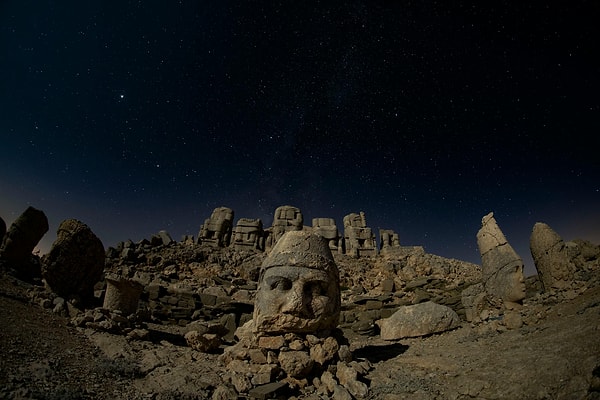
(299, 288)
(502, 268)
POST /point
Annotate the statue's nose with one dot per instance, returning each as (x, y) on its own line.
(296, 303)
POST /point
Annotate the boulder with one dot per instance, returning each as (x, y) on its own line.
(20, 240)
(75, 261)
(418, 320)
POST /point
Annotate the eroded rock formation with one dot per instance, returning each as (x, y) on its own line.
(75, 262)
(20, 240)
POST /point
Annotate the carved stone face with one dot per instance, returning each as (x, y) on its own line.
(299, 288)
(509, 283)
(515, 283)
(296, 299)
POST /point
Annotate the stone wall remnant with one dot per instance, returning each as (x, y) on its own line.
(502, 268)
(359, 240)
(217, 229)
(249, 234)
(551, 258)
(75, 262)
(20, 240)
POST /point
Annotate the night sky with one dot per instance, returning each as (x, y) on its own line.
(138, 116)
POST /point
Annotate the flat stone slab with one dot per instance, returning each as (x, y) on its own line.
(267, 391)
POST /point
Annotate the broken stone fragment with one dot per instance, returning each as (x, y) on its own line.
(418, 320)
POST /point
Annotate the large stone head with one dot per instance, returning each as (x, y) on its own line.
(298, 288)
(501, 266)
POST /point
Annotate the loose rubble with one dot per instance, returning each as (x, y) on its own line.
(176, 319)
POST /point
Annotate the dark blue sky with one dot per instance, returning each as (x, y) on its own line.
(140, 116)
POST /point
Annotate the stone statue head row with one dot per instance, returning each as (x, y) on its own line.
(298, 287)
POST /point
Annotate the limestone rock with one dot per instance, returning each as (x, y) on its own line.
(204, 342)
(550, 257)
(75, 262)
(418, 320)
(20, 240)
(296, 364)
(502, 268)
(348, 378)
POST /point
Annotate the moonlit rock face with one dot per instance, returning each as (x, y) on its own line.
(298, 287)
(502, 268)
(550, 257)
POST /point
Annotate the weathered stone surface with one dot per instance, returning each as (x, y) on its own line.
(473, 300)
(223, 392)
(324, 352)
(75, 261)
(286, 219)
(388, 240)
(20, 240)
(217, 229)
(296, 364)
(249, 234)
(418, 320)
(122, 294)
(299, 286)
(550, 257)
(326, 227)
(348, 378)
(502, 268)
(359, 240)
(204, 342)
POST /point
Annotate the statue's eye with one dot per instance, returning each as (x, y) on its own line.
(279, 283)
(316, 288)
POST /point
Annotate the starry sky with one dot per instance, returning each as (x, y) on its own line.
(138, 116)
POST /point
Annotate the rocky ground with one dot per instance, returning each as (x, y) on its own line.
(554, 354)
